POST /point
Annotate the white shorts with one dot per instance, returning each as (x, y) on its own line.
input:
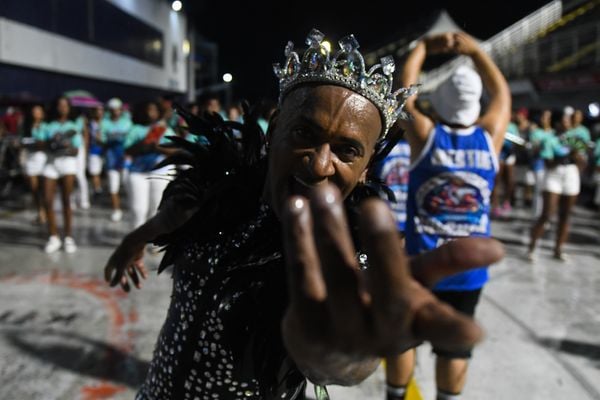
(35, 163)
(61, 166)
(562, 179)
(533, 177)
(95, 164)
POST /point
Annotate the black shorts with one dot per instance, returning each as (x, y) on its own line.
(465, 302)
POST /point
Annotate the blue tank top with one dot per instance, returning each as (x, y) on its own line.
(449, 196)
(393, 171)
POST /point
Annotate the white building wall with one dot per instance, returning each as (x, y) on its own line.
(28, 46)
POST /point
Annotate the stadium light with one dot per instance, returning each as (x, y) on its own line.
(594, 110)
(176, 5)
(227, 77)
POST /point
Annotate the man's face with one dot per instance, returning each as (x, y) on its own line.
(577, 117)
(323, 134)
(115, 113)
(63, 107)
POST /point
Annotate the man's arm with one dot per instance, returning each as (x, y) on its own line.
(418, 129)
(128, 256)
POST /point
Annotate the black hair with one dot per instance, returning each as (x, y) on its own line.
(28, 119)
(53, 112)
(139, 114)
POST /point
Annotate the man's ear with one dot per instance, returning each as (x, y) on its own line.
(272, 125)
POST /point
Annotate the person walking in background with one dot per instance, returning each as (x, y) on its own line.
(142, 143)
(564, 159)
(506, 176)
(34, 134)
(62, 142)
(113, 133)
(454, 165)
(82, 182)
(95, 148)
(536, 142)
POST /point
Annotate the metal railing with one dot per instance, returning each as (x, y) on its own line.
(527, 30)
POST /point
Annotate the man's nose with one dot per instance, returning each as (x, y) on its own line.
(320, 163)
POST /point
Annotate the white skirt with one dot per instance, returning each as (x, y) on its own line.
(35, 162)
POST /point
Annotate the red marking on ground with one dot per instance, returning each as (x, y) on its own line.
(100, 391)
(116, 335)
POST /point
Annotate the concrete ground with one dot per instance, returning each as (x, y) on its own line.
(65, 335)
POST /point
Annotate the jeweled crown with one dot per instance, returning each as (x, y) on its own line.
(345, 68)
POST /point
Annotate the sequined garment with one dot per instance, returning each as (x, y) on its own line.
(222, 336)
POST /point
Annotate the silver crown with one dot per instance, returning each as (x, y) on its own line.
(346, 68)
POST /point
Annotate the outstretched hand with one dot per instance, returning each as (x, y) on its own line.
(125, 263)
(335, 308)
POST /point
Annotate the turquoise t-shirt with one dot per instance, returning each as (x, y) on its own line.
(597, 152)
(61, 128)
(40, 132)
(579, 132)
(137, 133)
(115, 131)
(538, 138)
(553, 148)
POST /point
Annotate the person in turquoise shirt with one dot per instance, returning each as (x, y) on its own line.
(536, 141)
(561, 188)
(113, 132)
(63, 141)
(142, 143)
(82, 183)
(33, 136)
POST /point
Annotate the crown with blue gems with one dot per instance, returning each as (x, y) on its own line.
(345, 68)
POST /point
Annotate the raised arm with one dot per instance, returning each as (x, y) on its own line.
(416, 130)
(497, 116)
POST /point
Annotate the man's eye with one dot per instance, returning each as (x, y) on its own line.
(347, 153)
(302, 133)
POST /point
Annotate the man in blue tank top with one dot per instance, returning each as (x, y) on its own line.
(453, 167)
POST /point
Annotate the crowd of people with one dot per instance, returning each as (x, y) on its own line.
(352, 295)
(108, 147)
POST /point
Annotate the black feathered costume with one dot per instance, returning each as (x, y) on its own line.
(222, 335)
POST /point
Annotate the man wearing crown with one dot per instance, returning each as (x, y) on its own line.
(306, 278)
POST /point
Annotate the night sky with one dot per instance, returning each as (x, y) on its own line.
(251, 35)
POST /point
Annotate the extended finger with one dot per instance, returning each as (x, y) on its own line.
(125, 283)
(454, 257)
(388, 264)
(336, 252)
(445, 328)
(139, 265)
(303, 268)
(108, 270)
(134, 276)
(117, 276)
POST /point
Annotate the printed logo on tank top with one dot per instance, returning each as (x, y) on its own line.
(453, 203)
(457, 158)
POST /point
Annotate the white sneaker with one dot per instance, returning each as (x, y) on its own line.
(116, 216)
(532, 256)
(561, 257)
(70, 246)
(53, 245)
